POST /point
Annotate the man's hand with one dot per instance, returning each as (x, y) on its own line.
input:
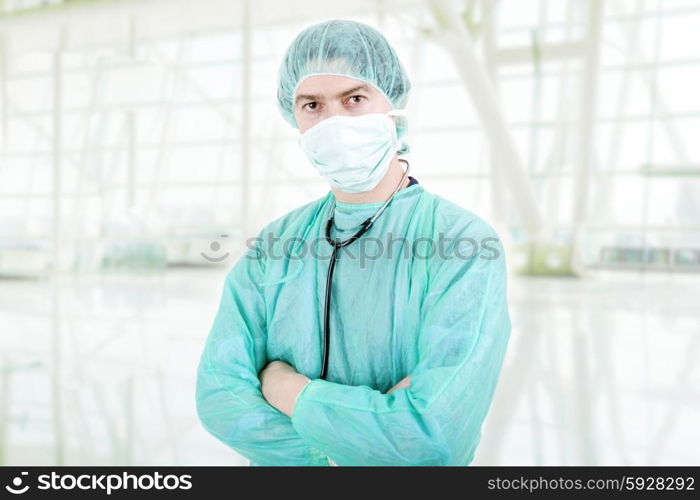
(281, 385)
(405, 382)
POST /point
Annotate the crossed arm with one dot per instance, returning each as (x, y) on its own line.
(281, 385)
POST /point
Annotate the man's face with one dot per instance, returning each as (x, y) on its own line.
(322, 96)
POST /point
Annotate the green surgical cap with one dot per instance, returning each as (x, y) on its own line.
(345, 48)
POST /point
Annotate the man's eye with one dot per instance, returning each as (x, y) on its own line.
(309, 104)
(358, 96)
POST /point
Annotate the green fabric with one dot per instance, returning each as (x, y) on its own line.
(346, 48)
(443, 319)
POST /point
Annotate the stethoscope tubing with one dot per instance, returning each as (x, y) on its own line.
(337, 245)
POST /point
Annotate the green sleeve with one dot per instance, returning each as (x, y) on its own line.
(229, 401)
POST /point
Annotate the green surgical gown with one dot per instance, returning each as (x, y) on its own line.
(423, 292)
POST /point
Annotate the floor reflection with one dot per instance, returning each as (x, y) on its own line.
(600, 371)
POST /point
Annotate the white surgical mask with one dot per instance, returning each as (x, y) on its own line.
(352, 152)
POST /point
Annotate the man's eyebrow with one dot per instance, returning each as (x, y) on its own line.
(312, 97)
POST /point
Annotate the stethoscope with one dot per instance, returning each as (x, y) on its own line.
(337, 245)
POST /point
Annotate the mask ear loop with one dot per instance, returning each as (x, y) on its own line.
(402, 113)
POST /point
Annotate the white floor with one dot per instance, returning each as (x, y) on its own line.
(599, 371)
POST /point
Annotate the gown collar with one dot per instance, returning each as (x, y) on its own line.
(347, 217)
